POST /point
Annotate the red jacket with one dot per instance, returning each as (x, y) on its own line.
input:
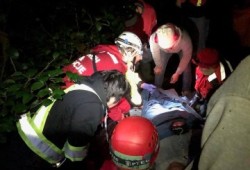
(107, 57)
(204, 85)
(144, 24)
(149, 18)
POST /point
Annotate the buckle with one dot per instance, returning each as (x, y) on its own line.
(58, 164)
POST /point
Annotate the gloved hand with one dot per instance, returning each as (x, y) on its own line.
(149, 87)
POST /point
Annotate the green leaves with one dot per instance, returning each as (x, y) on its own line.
(55, 55)
(26, 97)
(47, 102)
(13, 53)
(54, 73)
(14, 88)
(37, 85)
(33, 74)
(58, 93)
(73, 76)
(20, 108)
(43, 93)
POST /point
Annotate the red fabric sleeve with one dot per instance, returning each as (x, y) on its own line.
(149, 19)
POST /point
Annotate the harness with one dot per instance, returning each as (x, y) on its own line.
(93, 63)
(105, 121)
(30, 129)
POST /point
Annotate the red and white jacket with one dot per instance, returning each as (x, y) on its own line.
(206, 84)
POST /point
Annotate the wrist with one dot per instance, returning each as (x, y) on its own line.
(159, 66)
(176, 73)
(140, 84)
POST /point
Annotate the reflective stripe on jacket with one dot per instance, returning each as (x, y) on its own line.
(205, 85)
(31, 128)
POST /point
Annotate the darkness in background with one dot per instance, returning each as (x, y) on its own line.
(221, 36)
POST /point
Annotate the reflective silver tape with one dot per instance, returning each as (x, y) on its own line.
(75, 153)
(36, 142)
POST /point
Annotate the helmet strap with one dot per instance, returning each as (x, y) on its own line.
(133, 62)
(130, 56)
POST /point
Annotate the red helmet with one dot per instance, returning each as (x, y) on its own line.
(134, 143)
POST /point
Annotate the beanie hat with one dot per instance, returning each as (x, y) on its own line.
(208, 57)
(167, 35)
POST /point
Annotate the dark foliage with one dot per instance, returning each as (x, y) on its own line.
(37, 38)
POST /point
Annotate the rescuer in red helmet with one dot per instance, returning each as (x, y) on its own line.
(134, 144)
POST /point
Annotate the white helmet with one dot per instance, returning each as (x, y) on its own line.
(129, 44)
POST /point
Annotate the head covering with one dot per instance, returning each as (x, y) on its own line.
(167, 35)
(129, 39)
(208, 57)
(134, 143)
(130, 13)
(139, 4)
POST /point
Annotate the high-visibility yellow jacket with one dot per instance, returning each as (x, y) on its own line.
(63, 129)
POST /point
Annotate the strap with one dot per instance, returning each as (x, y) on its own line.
(93, 63)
